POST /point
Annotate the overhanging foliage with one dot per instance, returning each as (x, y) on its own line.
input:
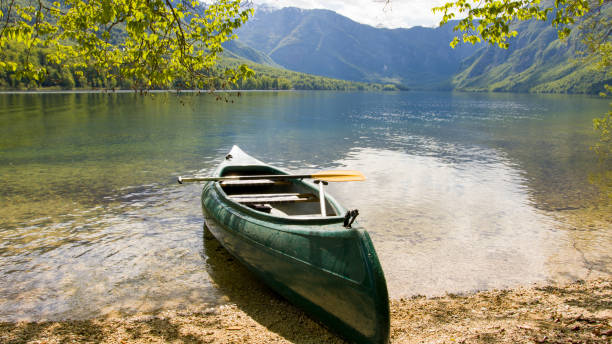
(154, 43)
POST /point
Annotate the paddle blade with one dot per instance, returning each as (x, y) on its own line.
(339, 176)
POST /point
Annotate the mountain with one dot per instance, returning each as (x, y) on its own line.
(238, 50)
(323, 42)
(537, 61)
(284, 44)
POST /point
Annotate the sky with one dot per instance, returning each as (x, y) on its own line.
(397, 13)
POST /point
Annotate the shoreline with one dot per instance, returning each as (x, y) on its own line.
(574, 312)
(206, 91)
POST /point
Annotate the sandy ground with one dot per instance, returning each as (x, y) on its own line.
(580, 312)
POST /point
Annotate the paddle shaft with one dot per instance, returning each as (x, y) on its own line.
(218, 179)
(328, 176)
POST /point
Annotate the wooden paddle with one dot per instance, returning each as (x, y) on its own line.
(328, 176)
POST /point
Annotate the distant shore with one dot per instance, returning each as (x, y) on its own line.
(60, 91)
(578, 312)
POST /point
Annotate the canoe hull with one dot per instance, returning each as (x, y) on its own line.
(329, 271)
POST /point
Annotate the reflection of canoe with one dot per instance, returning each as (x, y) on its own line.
(274, 227)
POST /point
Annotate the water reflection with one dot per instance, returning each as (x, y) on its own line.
(463, 190)
(448, 227)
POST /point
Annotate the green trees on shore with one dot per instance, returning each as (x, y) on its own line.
(270, 78)
(68, 77)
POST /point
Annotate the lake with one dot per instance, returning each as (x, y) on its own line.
(465, 191)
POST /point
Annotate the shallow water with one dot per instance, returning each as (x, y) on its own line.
(463, 190)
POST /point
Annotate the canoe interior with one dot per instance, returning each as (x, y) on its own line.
(285, 198)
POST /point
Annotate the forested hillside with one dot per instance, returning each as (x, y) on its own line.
(271, 78)
(266, 77)
(537, 61)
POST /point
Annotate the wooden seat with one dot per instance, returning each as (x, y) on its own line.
(274, 198)
(254, 182)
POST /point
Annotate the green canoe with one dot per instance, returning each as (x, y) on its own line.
(275, 228)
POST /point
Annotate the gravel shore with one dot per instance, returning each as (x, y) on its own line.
(579, 312)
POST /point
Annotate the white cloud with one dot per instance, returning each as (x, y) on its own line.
(396, 13)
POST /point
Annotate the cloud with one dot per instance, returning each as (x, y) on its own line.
(396, 13)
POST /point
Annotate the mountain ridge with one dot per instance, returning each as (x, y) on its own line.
(319, 41)
(322, 42)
